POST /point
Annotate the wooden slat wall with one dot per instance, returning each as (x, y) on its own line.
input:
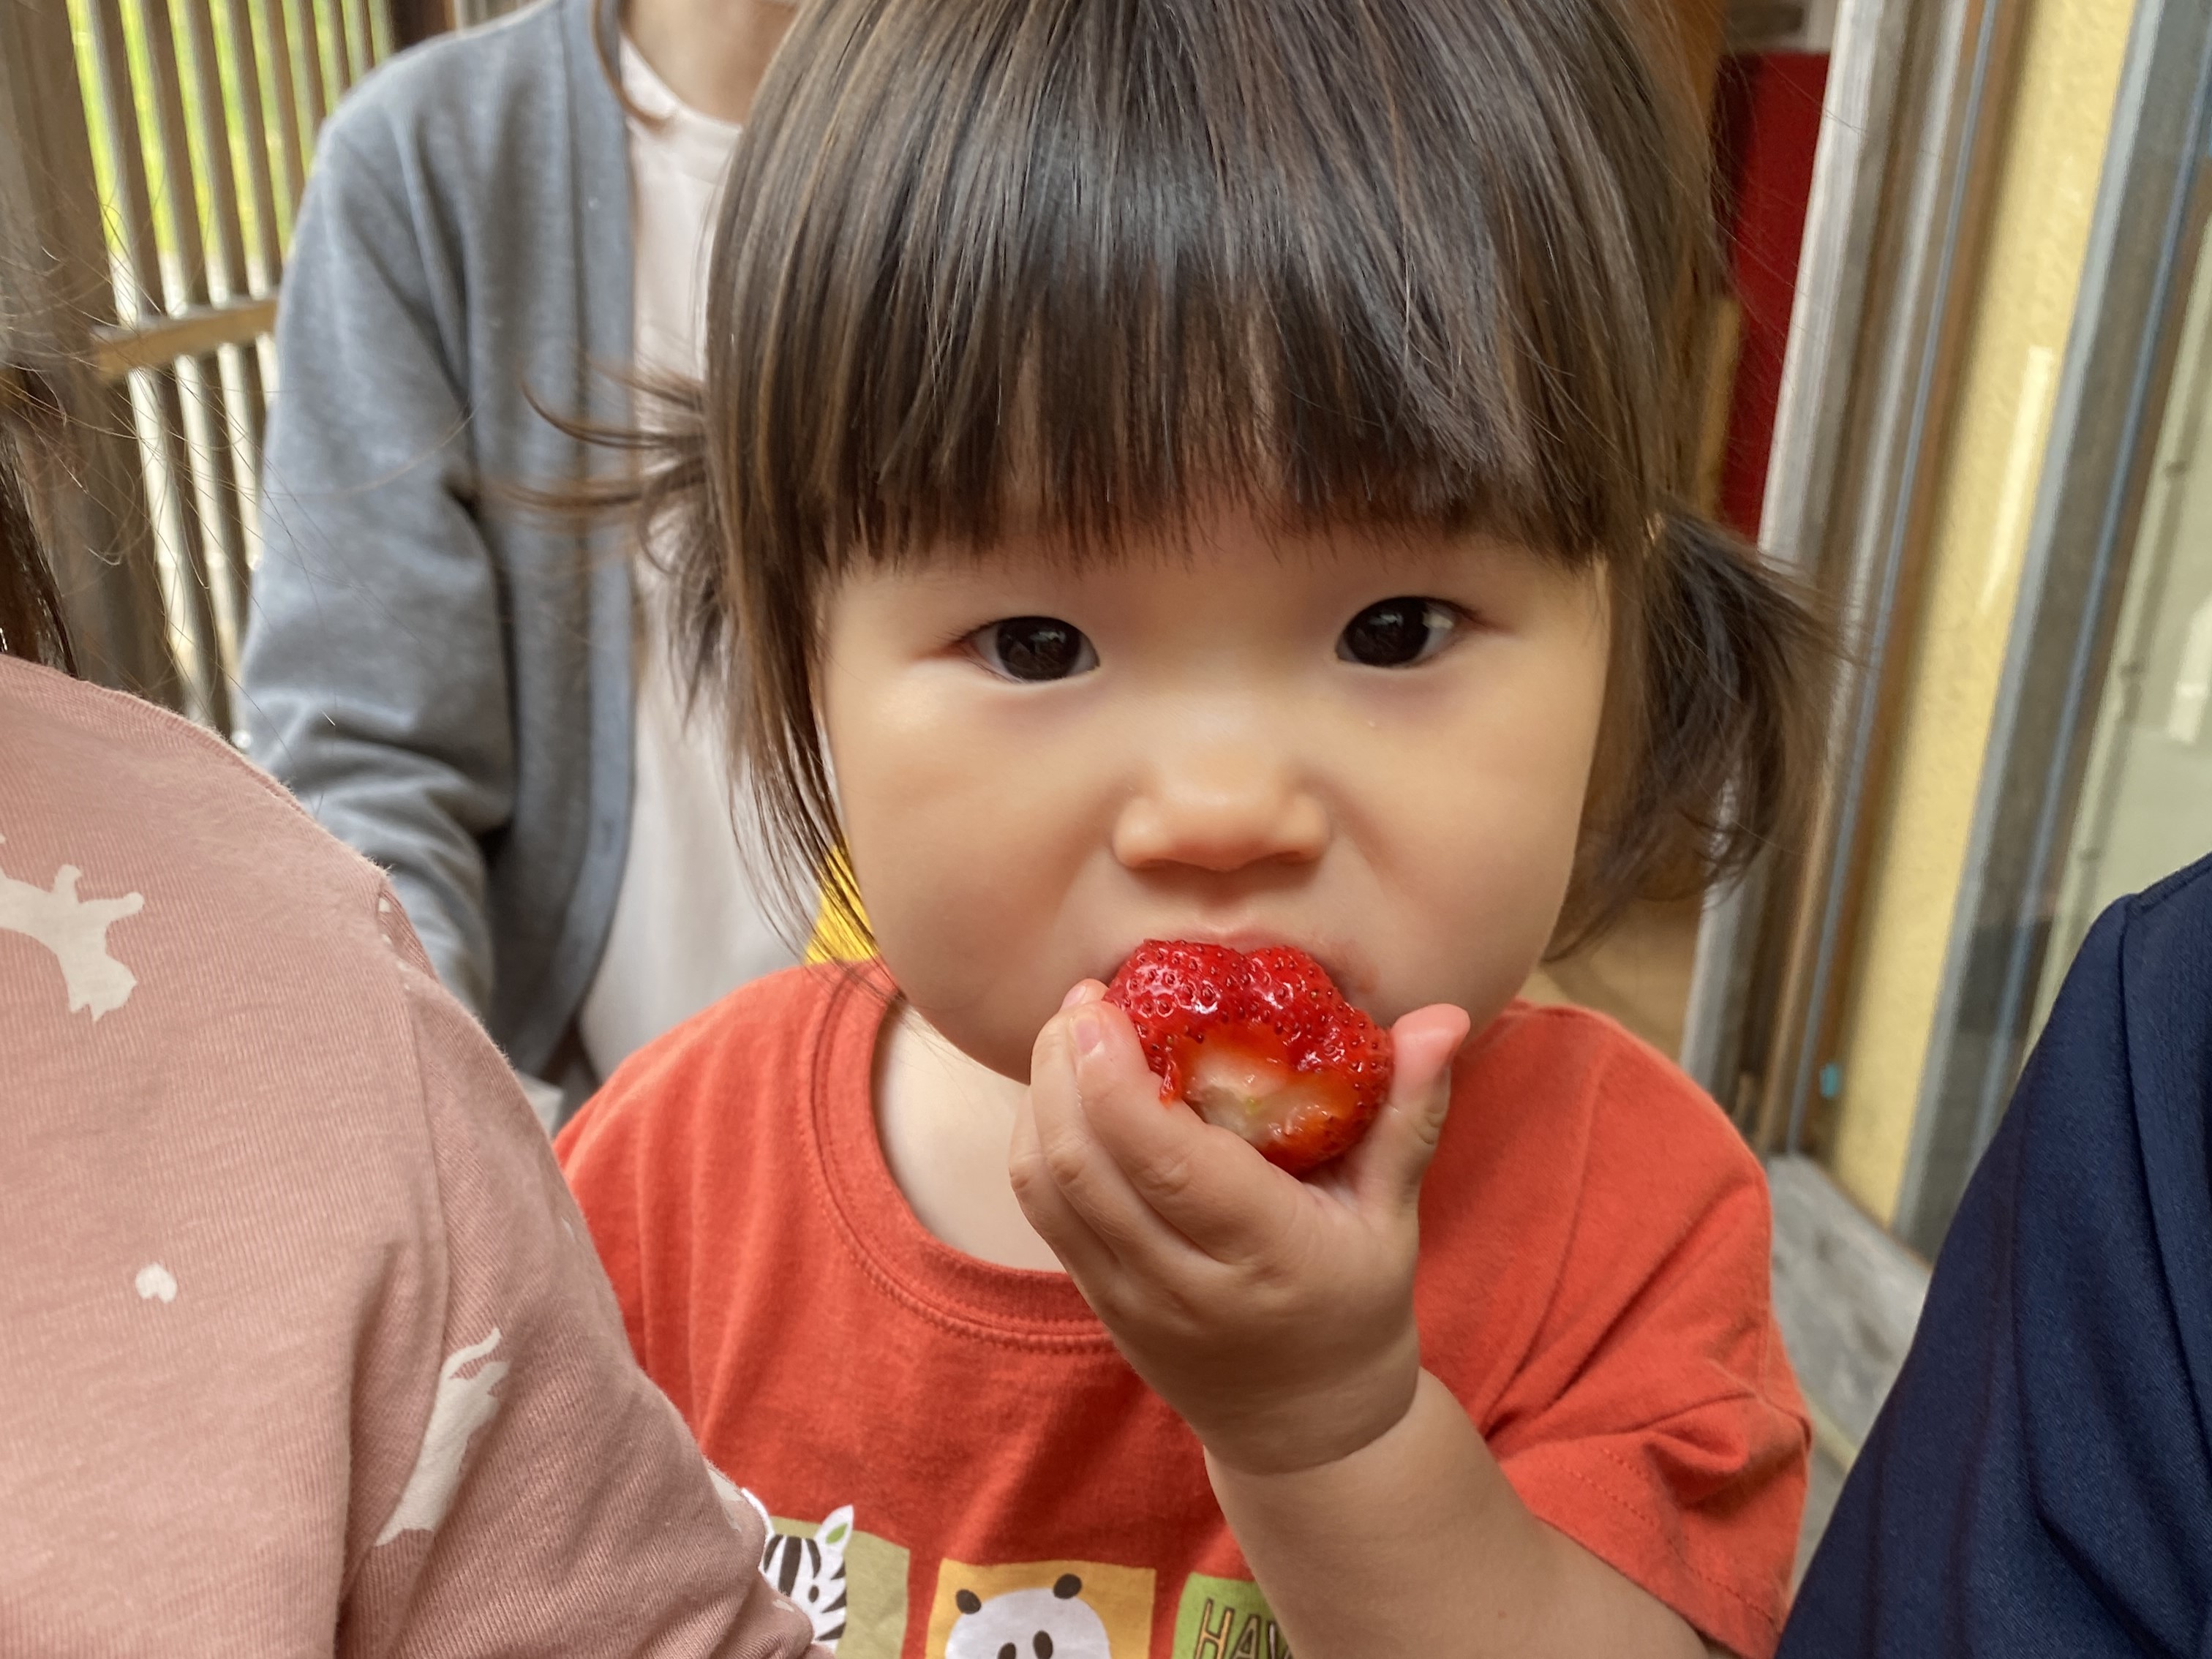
(467, 14)
(201, 118)
(418, 20)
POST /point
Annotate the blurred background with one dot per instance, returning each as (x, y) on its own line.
(1960, 385)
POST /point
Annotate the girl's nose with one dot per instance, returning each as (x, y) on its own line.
(1220, 810)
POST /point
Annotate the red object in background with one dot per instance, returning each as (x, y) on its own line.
(1766, 122)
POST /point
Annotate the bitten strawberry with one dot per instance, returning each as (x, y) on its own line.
(1263, 1044)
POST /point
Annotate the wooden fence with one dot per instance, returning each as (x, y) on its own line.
(152, 154)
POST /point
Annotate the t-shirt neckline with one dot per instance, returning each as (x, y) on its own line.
(1022, 1305)
(695, 141)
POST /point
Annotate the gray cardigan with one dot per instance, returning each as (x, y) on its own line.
(442, 678)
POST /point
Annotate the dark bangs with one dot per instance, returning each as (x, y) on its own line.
(1093, 261)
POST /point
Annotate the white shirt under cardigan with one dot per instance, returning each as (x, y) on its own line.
(690, 925)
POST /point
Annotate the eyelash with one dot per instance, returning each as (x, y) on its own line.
(1008, 646)
(1455, 620)
(989, 645)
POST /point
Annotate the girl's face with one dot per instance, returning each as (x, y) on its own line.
(1371, 745)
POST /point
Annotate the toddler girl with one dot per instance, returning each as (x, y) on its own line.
(1208, 470)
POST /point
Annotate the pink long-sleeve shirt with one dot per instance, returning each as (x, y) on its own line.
(303, 1346)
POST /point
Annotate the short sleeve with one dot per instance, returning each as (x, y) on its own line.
(1653, 1417)
(552, 1500)
(1679, 1458)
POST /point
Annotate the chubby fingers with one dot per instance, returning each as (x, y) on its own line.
(1089, 1258)
(1071, 1191)
(1126, 1160)
(1385, 1169)
(1038, 1174)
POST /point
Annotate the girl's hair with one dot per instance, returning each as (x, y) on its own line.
(31, 624)
(1096, 264)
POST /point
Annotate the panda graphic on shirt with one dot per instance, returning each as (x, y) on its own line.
(1058, 1609)
(1029, 1624)
(851, 1584)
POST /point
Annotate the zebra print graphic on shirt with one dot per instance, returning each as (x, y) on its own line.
(809, 1572)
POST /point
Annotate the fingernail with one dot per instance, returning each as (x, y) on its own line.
(1089, 1032)
(1074, 994)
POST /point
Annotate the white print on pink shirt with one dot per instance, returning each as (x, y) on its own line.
(155, 1283)
(464, 1404)
(76, 931)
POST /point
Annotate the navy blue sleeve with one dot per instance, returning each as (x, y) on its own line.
(2040, 1481)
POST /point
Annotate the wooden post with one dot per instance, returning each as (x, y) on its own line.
(55, 288)
(418, 20)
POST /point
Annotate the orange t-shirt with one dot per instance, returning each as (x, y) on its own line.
(965, 1461)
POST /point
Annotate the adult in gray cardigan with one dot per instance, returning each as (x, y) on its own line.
(476, 698)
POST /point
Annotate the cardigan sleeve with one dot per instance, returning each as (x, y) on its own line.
(375, 671)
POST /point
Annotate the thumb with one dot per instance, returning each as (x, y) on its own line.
(1385, 1169)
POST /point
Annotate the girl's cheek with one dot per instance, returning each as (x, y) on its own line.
(948, 843)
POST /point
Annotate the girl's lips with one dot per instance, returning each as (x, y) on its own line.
(1344, 962)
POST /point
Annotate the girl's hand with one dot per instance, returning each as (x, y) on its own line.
(1276, 1316)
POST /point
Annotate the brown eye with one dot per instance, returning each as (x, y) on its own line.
(1034, 648)
(1397, 633)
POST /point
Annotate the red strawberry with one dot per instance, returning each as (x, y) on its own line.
(1263, 1044)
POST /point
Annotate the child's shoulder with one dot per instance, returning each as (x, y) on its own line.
(251, 980)
(1594, 1095)
(84, 744)
(1593, 1054)
(215, 879)
(774, 1035)
(456, 84)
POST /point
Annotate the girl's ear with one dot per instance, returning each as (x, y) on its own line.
(1590, 908)
(1735, 680)
(1712, 730)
